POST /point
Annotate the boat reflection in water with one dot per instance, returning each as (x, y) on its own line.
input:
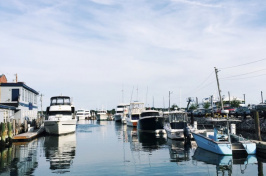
(224, 163)
(60, 151)
(20, 159)
(151, 141)
(180, 150)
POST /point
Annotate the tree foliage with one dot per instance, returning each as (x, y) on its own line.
(193, 106)
(235, 103)
(206, 105)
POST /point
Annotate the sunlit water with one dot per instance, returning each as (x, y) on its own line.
(109, 148)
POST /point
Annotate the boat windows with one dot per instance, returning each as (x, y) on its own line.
(60, 101)
(119, 111)
(145, 114)
(178, 125)
(135, 117)
(60, 112)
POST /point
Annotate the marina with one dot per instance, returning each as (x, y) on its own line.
(111, 148)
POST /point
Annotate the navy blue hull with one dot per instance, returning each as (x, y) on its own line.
(151, 123)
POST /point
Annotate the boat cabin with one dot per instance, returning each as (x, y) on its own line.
(149, 113)
(178, 119)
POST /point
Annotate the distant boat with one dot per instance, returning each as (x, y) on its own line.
(221, 141)
(87, 114)
(151, 121)
(80, 114)
(61, 118)
(102, 115)
(121, 113)
(135, 109)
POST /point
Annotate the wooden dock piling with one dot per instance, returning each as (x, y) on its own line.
(257, 125)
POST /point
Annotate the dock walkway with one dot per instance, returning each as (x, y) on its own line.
(28, 135)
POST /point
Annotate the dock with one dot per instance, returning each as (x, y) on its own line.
(28, 135)
(261, 148)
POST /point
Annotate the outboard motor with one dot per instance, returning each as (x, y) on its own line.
(187, 133)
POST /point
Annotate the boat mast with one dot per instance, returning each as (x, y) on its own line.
(216, 72)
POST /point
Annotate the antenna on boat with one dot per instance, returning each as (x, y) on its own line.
(131, 94)
(146, 95)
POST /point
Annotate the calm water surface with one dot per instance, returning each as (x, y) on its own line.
(109, 148)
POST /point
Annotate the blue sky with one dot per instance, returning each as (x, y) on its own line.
(92, 49)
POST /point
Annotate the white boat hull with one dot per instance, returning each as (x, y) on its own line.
(60, 127)
(101, 117)
(132, 123)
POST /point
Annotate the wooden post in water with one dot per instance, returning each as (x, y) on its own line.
(9, 132)
(3, 134)
(257, 125)
(260, 168)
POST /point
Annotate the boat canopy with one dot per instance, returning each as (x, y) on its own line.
(177, 116)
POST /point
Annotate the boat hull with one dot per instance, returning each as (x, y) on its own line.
(222, 148)
(118, 117)
(151, 124)
(133, 123)
(60, 127)
(102, 117)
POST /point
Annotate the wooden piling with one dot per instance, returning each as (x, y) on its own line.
(3, 134)
(257, 125)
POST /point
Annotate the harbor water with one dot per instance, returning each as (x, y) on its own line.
(110, 148)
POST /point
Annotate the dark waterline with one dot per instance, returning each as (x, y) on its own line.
(109, 148)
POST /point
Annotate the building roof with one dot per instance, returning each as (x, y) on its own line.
(7, 107)
(19, 84)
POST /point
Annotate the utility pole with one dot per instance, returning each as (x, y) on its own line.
(261, 97)
(169, 100)
(229, 98)
(41, 105)
(244, 98)
(219, 91)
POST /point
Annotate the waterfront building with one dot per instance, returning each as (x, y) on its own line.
(19, 96)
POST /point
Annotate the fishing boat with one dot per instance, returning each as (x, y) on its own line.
(121, 113)
(177, 125)
(60, 116)
(135, 109)
(151, 121)
(80, 114)
(224, 141)
(102, 115)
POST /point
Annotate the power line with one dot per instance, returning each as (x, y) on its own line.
(247, 77)
(243, 74)
(244, 64)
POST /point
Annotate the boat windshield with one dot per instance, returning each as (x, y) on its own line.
(175, 117)
(135, 117)
(120, 106)
(145, 114)
(52, 113)
(60, 101)
(119, 111)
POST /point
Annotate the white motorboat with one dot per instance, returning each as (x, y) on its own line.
(135, 109)
(151, 121)
(80, 114)
(60, 116)
(102, 115)
(177, 125)
(121, 113)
